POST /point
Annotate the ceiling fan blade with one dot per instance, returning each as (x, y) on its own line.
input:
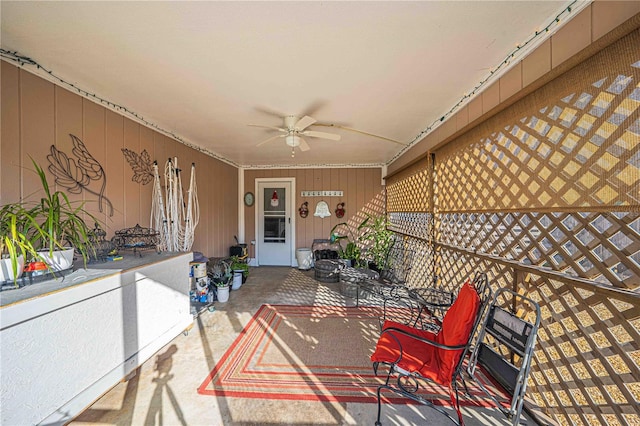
(270, 139)
(267, 127)
(304, 122)
(322, 135)
(270, 111)
(361, 132)
(304, 146)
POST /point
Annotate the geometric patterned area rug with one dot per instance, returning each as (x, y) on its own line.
(317, 353)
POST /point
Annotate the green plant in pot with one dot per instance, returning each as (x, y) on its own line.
(239, 265)
(17, 228)
(378, 240)
(343, 232)
(63, 226)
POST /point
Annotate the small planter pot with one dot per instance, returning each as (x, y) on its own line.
(237, 280)
(6, 271)
(60, 261)
(223, 294)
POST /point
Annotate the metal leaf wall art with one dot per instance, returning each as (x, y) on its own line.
(141, 165)
(75, 174)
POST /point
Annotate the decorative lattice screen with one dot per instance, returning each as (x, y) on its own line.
(545, 197)
(572, 144)
(410, 200)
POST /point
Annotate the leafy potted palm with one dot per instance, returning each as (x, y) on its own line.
(63, 226)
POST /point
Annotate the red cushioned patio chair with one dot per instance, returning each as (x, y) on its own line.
(414, 355)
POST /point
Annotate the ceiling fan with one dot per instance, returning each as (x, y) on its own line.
(293, 131)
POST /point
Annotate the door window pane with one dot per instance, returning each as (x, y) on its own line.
(274, 216)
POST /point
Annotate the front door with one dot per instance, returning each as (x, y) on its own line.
(274, 236)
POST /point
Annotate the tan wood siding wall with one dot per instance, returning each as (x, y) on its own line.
(362, 193)
(37, 114)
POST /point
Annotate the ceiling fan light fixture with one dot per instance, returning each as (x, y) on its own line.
(292, 140)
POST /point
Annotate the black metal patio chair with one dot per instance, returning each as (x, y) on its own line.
(505, 348)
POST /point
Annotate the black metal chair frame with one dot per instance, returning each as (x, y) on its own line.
(394, 292)
(399, 262)
(408, 384)
(506, 337)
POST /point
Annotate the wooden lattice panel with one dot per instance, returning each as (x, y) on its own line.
(574, 143)
(417, 225)
(544, 191)
(410, 189)
(586, 366)
(604, 247)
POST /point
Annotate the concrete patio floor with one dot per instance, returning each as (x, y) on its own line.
(163, 390)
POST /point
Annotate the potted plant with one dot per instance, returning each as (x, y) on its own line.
(63, 227)
(379, 241)
(351, 251)
(238, 264)
(220, 274)
(240, 270)
(17, 226)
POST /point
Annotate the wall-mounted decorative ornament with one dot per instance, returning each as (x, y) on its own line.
(141, 165)
(322, 210)
(274, 199)
(76, 176)
(340, 210)
(304, 209)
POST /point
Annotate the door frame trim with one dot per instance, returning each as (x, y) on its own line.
(292, 205)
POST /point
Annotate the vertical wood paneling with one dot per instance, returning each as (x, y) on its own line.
(231, 206)
(11, 171)
(68, 119)
(69, 114)
(351, 196)
(200, 238)
(342, 182)
(301, 234)
(117, 171)
(216, 201)
(249, 212)
(38, 114)
(131, 189)
(146, 191)
(205, 185)
(334, 185)
(93, 131)
(316, 186)
(326, 222)
(361, 193)
(37, 129)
